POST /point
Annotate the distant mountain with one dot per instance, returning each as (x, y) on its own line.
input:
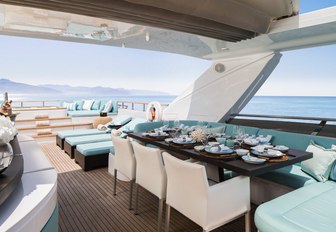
(21, 88)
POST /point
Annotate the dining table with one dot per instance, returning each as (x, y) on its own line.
(233, 163)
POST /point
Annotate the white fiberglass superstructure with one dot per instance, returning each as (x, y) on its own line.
(244, 49)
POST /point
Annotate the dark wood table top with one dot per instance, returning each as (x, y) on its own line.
(236, 165)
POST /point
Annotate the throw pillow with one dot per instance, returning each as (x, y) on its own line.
(96, 105)
(88, 104)
(79, 105)
(108, 106)
(320, 165)
(333, 147)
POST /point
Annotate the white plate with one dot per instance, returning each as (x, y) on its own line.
(253, 160)
(281, 148)
(168, 140)
(158, 135)
(199, 148)
(272, 153)
(183, 142)
(228, 151)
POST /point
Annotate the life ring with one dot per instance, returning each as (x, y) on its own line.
(154, 111)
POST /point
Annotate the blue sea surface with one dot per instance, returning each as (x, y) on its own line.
(323, 107)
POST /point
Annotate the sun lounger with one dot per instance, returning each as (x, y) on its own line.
(70, 143)
(93, 155)
(118, 121)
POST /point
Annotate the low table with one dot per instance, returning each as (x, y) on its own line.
(236, 165)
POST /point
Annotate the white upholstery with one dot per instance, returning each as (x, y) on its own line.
(124, 160)
(150, 174)
(188, 192)
(150, 171)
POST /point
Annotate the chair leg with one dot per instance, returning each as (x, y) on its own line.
(130, 195)
(167, 217)
(247, 222)
(136, 199)
(115, 182)
(160, 214)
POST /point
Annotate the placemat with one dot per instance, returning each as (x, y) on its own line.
(274, 160)
(231, 156)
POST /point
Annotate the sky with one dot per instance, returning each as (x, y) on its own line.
(36, 61)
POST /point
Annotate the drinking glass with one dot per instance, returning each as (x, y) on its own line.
(176, 123)
(166, 123)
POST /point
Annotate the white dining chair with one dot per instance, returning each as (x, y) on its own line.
(124, 162)
(151, 175)
(210, 207)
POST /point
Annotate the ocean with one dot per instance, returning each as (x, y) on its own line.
(324, 107)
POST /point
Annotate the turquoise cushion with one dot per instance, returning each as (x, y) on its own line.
(84, 113)
(190, 122)
(291, 176)
(114, 107)
(119, 120)
(131, 125)
(248, 129)
(96, 105)
(320, 165)
(311, 208)
(95, 148)
(73, 133)
(79, 105)
(74, 141)
(215, 124)
(147, 126)
(102, 106)
(333, 172)
(295, 140)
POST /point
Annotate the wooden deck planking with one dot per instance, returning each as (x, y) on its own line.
(86, 202)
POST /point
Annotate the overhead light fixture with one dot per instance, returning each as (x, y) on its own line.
(147, 37)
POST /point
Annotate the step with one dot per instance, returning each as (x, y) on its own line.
(42, 119)
(53, 126)
(43, 136)
(37, 108)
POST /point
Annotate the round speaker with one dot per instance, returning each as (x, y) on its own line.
(219, 68)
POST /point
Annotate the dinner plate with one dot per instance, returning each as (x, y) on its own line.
(253, 160)
(221, 152)
(158, 134)
(281, 148)
(183, 142)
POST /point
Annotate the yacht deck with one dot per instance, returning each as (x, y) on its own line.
(86, 202)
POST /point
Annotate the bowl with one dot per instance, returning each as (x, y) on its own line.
(221, 140)
(242, 152)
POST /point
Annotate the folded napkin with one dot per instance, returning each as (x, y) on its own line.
(184, 140)
(42, 123)
(219, 148)
(102, 127)
(251, 141)
(266, 139)
(261, 148)
(272, 152)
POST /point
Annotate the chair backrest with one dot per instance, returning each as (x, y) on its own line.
(124, 160)
(150, 171)
(187, 187)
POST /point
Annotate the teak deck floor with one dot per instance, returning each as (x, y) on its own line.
(86, 202)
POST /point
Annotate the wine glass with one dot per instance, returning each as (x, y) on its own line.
(176, 124)
(165, 124)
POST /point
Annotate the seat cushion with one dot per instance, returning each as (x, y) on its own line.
(99, 148)
(131, 125)
(82, 113)
(311, 208)
(74, 133)
(74, 141)
(119, 120)
(291, 176)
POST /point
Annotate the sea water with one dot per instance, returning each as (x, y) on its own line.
(312, 106)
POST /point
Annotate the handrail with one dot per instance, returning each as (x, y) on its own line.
(284, 117)
(121, 104)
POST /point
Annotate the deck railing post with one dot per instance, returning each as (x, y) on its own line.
(132, 105)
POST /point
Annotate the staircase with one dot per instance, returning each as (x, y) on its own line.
(43, 125)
